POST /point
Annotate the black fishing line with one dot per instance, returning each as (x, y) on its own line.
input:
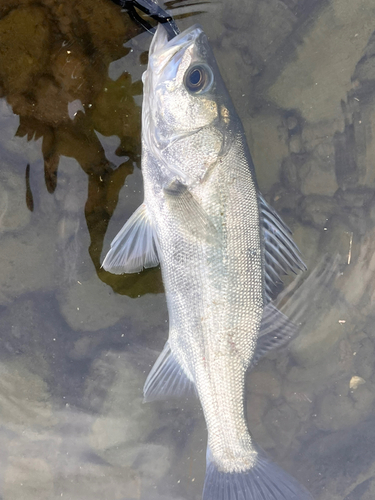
(153, 10)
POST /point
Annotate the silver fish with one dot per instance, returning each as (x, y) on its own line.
(221, 249)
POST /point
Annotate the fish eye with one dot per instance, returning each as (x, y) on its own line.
(198, 78)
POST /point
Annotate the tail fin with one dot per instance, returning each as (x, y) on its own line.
(265, 481)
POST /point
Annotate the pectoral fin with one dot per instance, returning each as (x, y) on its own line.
(187, 209)
(135, 247)
(167, 380)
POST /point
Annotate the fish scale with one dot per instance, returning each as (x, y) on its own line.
(220, 248)
(225, 281)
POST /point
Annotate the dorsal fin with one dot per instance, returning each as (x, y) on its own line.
(281, 254)
(135, 247)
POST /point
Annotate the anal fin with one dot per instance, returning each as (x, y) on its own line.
(167, 380)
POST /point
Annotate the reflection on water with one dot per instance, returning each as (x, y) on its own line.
(77, 343)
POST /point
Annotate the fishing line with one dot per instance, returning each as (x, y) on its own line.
(152, 10)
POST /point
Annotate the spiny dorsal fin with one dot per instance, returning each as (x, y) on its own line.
(135, 246)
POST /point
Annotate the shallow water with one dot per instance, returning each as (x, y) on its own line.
(77, 342)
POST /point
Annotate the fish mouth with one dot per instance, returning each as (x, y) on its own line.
(162, 50)
(163, 63)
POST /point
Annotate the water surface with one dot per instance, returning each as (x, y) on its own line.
(77, 343)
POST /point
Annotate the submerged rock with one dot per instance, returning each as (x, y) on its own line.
(24, 399)
(365, 490)
(264, 382)
(21, 257)
(28, 478)
(356, 381)
(318, 209)
(14, 214)
(121, 435)
(95, 481)
(283, 424)
(320, 80)
(256, 405)
(268, 147)
(341, 461)
(90, 305)
(339, 411)
(316, 179)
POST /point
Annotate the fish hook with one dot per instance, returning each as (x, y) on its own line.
(153, 10)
